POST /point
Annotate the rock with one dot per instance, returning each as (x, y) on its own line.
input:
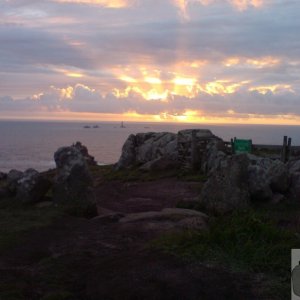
(295, 185)
(266, 177)
(3, 176)
(227, 189)
(259, 183)
(213, 155)
(14, 175)
(173, 214)
(161, 150)
(12, 180)
(108, 218)
(73, 179)
(149, 148)
(160, 164)
(294, 171)
(128, 156)
(32, 187)
(294, 166)
(279, 177)
(278, 198)
(191, 144)
(90, 160)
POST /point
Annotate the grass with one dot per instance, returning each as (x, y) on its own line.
(242, 242)
(16, 221)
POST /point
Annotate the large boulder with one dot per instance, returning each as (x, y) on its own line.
(148, 148)
(279, 177)
(128, 156)
(32, 187)
(151, 149)
(294, 171)
(258, 178)
(227, 188)
(73, 179)
(267, 176)
(90, 160)
(3, 176)
(12, 180)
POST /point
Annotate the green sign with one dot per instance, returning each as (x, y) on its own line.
(242, 146)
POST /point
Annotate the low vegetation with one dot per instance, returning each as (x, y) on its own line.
(248, 241)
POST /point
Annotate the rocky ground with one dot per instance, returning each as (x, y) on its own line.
(101, 258)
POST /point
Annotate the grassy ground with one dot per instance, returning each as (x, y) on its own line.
(15, 222)
(256, 241)
(249, 241)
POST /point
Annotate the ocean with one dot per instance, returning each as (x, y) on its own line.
(27, 144)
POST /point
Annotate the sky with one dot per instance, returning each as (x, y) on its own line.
(204, 61)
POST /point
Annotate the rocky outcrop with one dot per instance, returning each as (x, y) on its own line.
(236, 180)
(32, 187)
(90, 160)
(227, 188)
(162, 150)
(148, 148)
(27, 187)
(192, 145)
(73, 179)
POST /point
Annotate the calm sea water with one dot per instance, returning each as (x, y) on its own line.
(32, 144)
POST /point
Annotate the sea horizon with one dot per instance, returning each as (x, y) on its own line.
(32, 143)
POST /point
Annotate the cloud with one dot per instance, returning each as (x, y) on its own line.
(103, 3)
(240, 5)
(139, 56)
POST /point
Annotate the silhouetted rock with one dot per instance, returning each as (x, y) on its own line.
(32, 187)
(73, 178)
(3, 176)
(12, 180)
(90, 160)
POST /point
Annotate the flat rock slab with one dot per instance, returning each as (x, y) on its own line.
(165, 214)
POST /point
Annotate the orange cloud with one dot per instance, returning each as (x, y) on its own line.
(258, 63)
(222, 87)
(245, 4)
(277, 88)
(104, 3)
